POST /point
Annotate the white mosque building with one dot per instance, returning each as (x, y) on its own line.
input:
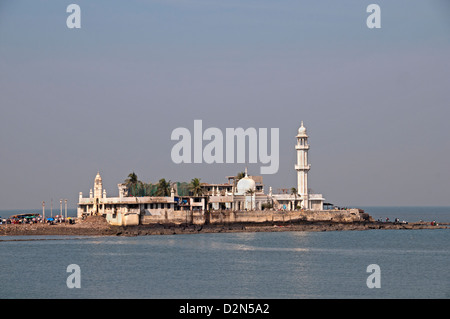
(247, 194)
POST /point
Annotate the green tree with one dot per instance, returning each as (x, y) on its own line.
(183, 188)
(133, 184)
(240, 175)
(163, 188)
(195, 187)
(150, 189)
(132, 179)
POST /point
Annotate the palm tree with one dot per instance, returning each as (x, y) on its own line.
(294, 192)
(131, 182)
(163, 188)
(195, 187)
(132, 179)
(240, 175)
(237, 178)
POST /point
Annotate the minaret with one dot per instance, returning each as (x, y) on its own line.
(98, 186)
(302, 166)
(98, 189)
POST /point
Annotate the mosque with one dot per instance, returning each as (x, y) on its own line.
(244, 194)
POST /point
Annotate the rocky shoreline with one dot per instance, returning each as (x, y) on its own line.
(97, 226)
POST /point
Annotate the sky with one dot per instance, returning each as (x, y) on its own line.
(107, 96)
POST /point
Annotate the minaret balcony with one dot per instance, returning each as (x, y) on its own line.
(303, 167)
(302, 147)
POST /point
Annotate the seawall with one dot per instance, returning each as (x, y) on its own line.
(229, 217)
(308, 221)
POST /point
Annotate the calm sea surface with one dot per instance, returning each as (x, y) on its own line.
(413, 264)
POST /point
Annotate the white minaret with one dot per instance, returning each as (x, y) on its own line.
(98, 186)
(302, 166)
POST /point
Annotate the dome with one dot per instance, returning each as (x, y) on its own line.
(302, 130)
(245, 184)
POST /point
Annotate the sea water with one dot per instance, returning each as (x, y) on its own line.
(412, 263)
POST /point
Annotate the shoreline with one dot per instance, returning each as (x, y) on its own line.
(99, 227)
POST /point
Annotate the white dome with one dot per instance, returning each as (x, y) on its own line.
(245, 184)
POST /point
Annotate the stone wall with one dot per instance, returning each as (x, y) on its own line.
(121, 219)
(222, 217)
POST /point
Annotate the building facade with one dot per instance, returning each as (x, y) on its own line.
(125, 210)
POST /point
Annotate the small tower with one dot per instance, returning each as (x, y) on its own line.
(98, 190)
(302, 167)
(98, 186)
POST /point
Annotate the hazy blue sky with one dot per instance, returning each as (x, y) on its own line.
(376, 102)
